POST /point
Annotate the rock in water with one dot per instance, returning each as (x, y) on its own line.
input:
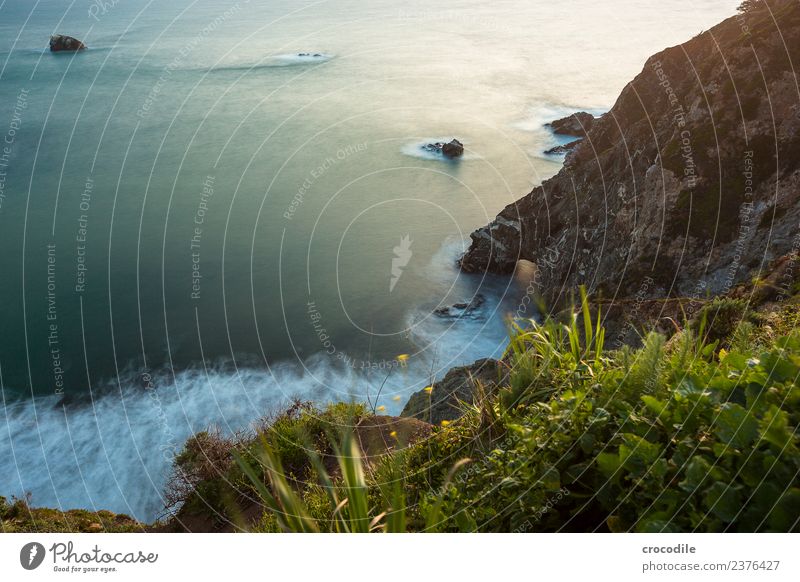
(453, 149)
(577, 124)
(461, 309)
(61, 42)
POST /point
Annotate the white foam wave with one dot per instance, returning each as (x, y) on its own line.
(285, 60)
(114, 451)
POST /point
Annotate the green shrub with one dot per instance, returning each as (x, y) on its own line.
(678, 436)
(709, 446)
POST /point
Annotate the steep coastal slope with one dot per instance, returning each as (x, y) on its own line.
(687, 186)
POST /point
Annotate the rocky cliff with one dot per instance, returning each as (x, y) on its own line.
(687, 186)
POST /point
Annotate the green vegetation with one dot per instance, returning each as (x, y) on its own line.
(18, 516)
(680, 435)
(207, 480)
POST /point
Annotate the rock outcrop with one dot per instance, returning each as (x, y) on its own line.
(444, 401)
(62, 42)
(577, 124)
(562, 149)
(687, 186)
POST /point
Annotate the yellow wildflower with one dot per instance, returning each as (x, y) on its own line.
(396, 398)
(722, 354)
(393, 434)
(445, 422)
(429, 389)
(381, 408)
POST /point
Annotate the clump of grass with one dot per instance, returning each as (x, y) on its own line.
(718, 320)
(351, 507)
(546, 356)
(207, 481)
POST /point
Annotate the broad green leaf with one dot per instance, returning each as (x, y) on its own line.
(609, 463)
(723, 500)
(697, 470)
(551, 479)
(735, 426)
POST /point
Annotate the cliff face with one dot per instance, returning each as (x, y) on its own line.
(688, 185)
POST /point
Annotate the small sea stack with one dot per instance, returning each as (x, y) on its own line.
(451, 149)
(63, 43)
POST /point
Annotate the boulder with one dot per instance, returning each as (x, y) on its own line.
(577, 124)
(451, 149)
(62, 42)
(444, 400)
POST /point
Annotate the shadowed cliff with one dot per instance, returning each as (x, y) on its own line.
(687, 186)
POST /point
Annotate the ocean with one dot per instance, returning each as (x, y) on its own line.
(219, 207)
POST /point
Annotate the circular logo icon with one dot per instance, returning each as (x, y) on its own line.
(31, 555)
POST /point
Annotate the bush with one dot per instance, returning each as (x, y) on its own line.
(207, 482)
(711, 446)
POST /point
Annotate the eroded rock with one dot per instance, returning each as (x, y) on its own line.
(64, 43)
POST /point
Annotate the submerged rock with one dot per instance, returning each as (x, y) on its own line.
(461, 309)
(62, 42)
(451, 149)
